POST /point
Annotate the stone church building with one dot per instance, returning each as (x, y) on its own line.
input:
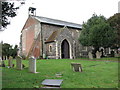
(43, 37)
(51, 38)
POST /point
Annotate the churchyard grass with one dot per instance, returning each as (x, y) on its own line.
(108, 58)
(96, 74)
(104, 58)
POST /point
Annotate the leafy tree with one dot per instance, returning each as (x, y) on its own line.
(115, 23)
(8, 51)
(14, 51)
(8, 11)
(0, 50)
(96, 32)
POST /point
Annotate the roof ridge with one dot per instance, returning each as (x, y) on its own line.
(57, 22)
(56, 19)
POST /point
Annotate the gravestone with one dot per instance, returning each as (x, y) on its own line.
(32, 64)
(90, 55)
(98, 54)
(10, 64)
(52, 83)
(116, 55)
(3, 63)
(76, 67)
(19, 63)
(44, 56)
(59, 75)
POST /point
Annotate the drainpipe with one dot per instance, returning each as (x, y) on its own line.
(41, 40)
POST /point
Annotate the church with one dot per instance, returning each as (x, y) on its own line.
(41, 37)
(44, 37)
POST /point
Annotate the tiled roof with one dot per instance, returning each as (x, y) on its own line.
(57, 22)
(53, 36)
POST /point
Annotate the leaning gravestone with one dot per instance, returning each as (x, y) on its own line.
(98, 54)
(19, 62)
(90, 55)
(10, 62)
(76, 67)
(32, 64)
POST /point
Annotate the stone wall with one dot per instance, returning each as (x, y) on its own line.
(66, 34)
(47, 30)
(70, 34)
(53, 47)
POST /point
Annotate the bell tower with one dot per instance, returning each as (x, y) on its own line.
(32, 11)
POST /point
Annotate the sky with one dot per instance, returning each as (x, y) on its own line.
(76, 11)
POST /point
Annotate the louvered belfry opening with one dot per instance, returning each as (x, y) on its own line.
(65, 49)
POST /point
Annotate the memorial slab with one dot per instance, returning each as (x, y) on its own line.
(52, 82)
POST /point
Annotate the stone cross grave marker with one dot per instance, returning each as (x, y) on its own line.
(90, 55)
(32, 64)
(19, 62)
(10, 64)
(98, 54)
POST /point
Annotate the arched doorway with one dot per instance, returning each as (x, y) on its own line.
(65, 49)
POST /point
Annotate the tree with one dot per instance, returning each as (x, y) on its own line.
(14, 51)
(115, 24)
(8, 11)
(8, 50)
(96, 32)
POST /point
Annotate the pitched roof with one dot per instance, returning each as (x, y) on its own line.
(53, 36)
(57, 22)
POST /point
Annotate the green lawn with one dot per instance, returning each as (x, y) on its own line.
(105, 58)
(96, 74)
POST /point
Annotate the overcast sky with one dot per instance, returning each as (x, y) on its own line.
(75, 11)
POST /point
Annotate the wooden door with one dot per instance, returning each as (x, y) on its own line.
(65, 49)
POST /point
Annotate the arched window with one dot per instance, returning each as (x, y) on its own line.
(50, 48)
